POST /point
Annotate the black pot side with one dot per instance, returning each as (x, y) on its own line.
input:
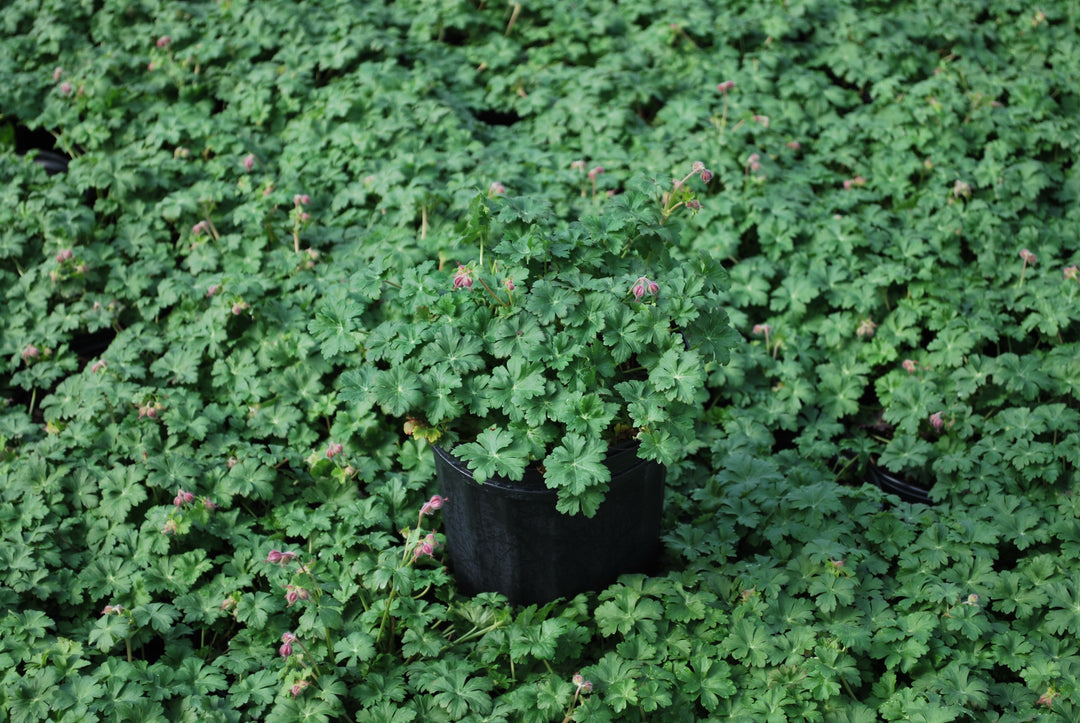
(906, 491)
(507, 537)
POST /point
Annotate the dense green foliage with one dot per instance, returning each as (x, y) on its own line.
(197, 525)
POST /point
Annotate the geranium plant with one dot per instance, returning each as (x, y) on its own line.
(542, 342)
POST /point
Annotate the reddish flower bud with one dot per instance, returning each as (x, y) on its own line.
(1027, 256)
(249, 161)
(496, 189)
(596, 171)
(164, 41)
(463, 277)
(63, 256)
(706, 175)
(726, 86)
(909, 366)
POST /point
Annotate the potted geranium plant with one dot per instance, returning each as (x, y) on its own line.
(563, 364)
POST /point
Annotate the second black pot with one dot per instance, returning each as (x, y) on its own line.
(507, 537)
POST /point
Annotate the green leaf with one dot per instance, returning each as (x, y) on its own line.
(335, 326)
(680, 374)
(576, 469)
(495, 452)
(397, 390)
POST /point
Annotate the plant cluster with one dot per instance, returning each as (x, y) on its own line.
(202, 204)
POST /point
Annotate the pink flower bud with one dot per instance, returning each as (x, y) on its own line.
(509, 284)
(760, 329)
(97, 366)
(936, 421)
(301, 199)
(200, 227)
(763, 120)
(909, 366)
(239, 307)
(291, 595)
(698, 167)
(578, 166)
(30, 352)
(596, 171)
(496, 189)
(249, 161)
(209, 504)
(213, 289)
(726, 86)
(285, 650)
(706, 175)
(1072, 272)
(63, 256)
(298, 687)
(163, 41)
(463, 278)
(866, 328)
(435, 503)
(1027, 256)
(794, 145)
(171, 528)
(232, 462)
(693, 204)
(57, 72)
(65, 88)
(274, 557)
(334, 450)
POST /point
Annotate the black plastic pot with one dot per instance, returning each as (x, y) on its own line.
(507, 537)
(904, 490)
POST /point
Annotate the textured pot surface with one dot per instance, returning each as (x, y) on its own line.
(507, 537)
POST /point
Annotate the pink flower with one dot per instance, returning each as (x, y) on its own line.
(596, 171)
(1072, 272)
(277, 556)
(763, 120)
(753, 162)
(110, 609)
(706, 175)
(57, 72)
(866, 328)
(726, 86)
(209, 504)
(65, 88)
(183, 498)
(794, 145)
(578, 166)
(63, 256)
(644, 286)
(301, 199)
(463, 277)
(334, 450)
(509, 284)
(294, 593)
(961, 189)
(97, 366)
(30, 352)
(909, 366)
(249, 161)
(171, 528)
(285, 650)
(163, 41)
(936, 421)
(698, 167)
(435, 503)
(496, 189)
(212, 289)
(200, 227)
(239, 307)
(693, 204)
(1027, 256)
(298, 687)
(760, 329)
(425, 547)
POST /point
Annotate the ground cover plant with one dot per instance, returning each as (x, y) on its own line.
(201, 201)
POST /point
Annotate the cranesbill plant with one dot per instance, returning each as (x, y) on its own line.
(543, 342)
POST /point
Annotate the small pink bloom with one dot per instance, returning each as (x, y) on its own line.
(30, 352)
(285, 650)
(171, 528)
(972, 600)
(698, 167)
(249, 161)
(425, 547)
(301, 199)
(644, 286)
(298, 687)
(277, 556)
(760, 329)
(200, 227)
(65, 88)
(578, 166)
(1027, 256)
(209, 504)
(334, 450)
(212, 289)
(57, 72)
(110, 609)
(228, 603)
(239, 307)
(726, 86)
(232, 462)
(936, 421)
(463, 277)
(909, 366)
(596, 171)
(961, 189)
(496, 189)
(183, 498)
(97, 366)
(706, 175)
(1072, 272)
(163, 41)
(763, 120)
(435, 503)
(693, 204)
(866, 328)
(794, 145)
(509, 284)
